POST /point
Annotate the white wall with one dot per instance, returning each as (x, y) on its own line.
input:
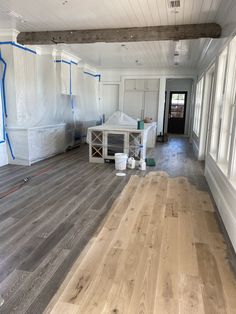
(117, 76)
(224, 194)
(223, 191)
(183, 85)
(110, 99)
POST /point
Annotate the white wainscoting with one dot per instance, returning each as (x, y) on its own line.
(224, 194)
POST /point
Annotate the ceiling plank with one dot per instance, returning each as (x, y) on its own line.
(134, 34)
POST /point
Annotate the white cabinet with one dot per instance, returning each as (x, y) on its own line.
(140, 85)
(150, 102)
(33, 144)
(152, 84)
(141, 98)
(104, 142)
(132, 84)
(133, 104)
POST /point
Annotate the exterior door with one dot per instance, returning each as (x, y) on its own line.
(177, 110)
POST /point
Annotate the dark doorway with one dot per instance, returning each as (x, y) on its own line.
(177, 110)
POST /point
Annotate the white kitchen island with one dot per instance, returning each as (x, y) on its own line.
(107, 139)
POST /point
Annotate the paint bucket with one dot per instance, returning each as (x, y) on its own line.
(120, 161)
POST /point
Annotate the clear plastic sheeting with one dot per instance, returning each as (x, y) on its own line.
(122, 119)
(35, 100)
(1, 108)
(88, 108)
(39, 98)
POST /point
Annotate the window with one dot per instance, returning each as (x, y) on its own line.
(232, 174)
(177, 105)
(223, 131)
(198, 107)
(227, 112)
(220, 84)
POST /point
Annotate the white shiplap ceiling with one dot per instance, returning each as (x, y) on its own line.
(41, 15)
(140, 54)
(80, 14)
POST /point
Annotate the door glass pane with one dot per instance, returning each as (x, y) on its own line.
(177, 105)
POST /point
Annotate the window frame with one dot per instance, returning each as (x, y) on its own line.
(198, 106)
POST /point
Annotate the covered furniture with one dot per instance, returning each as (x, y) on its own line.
(120, 135)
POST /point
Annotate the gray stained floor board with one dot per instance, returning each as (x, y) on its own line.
(46, 223)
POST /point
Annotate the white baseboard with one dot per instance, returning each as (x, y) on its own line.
(195, 148)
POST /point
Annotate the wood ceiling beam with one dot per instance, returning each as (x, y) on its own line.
(113, 35)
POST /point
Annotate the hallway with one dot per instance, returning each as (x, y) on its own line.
(48, 218)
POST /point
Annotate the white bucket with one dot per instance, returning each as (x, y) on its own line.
(120, 161)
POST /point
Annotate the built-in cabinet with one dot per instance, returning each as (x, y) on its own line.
(104, 142)
(141, 98)
(142, 84)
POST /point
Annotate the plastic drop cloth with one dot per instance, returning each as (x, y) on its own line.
(120, 118)
(1, 106)
(38, 97)
(35, 100)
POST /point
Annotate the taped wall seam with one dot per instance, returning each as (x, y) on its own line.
(3, 99)
(94, 75)
(65, 61)
(5, 135)
(10, 147)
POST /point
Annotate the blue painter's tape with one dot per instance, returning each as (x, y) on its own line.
(62, 61)
(23, 47)
(3, 97)
(94, 75)
(3, 91)
(70, 81)
(10, 147)
(12, 43)
(75, 63)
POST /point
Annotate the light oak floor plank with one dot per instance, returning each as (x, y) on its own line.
(152, 260)
(127, 227)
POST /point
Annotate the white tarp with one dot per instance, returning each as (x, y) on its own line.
(35, 97)
(39, 97)
(120, 118)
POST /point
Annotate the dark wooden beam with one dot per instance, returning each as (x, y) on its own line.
(112, 35)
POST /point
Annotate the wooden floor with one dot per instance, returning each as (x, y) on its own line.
(159, 251)
(50, 211)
